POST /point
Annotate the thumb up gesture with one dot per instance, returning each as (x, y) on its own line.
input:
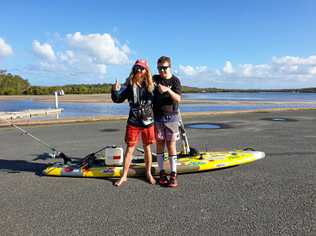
(116, 86)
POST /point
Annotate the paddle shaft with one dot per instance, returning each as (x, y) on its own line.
(30, 135)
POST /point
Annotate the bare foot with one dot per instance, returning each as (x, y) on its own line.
(120, 182)
(151, 179)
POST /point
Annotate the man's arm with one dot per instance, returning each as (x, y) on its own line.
(164, 89)
(176, 97)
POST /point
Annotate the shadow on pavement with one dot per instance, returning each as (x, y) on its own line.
(17, 166)
(109, 130)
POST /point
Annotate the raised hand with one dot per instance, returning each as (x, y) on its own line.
(162, 88)
(116, 86)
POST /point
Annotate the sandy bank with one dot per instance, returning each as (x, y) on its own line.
(106, 98)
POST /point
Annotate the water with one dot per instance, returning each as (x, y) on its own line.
(107, 109)
(261, 96)
(70, 109)
(204, 126)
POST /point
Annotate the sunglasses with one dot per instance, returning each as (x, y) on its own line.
(163, 68)
(137, 69)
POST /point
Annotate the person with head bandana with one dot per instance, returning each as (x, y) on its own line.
(138, 90)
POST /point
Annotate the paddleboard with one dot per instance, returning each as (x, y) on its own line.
(204, 161)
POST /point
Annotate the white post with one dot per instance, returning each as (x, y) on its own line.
(56, 100)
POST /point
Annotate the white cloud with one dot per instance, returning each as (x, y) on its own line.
(290, 60)
(5, 49)
(228, 68)
(247, 70)
(45, 50)
(101, 68)
(100, 47)
(192, 71)
(68, 56)
(84, 57)
(312, 70)
(250, 70)
(281, 72)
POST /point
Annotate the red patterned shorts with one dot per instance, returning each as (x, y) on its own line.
(133, 132)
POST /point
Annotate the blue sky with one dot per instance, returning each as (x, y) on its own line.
(223, 44)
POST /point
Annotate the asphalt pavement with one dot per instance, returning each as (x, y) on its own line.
(273, 196)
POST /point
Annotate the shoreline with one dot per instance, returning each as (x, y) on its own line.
(106, 98)
(91, 119)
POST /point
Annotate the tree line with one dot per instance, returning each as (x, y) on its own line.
(12, 84)
(70, 89)
(15, 85)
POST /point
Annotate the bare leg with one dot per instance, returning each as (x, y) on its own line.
(148, 162)
(127, 162)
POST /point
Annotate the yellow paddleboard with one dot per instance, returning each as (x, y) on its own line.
(202, 162)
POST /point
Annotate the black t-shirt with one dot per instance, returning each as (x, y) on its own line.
(163, 103)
